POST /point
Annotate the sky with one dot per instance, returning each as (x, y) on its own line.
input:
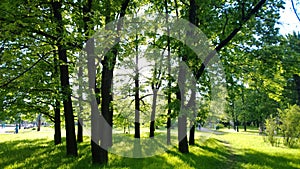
(288, 20)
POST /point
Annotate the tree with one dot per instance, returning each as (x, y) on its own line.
(271, 130)
(290, 125)
(64, 77)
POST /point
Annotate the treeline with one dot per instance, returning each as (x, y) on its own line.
(42, 43)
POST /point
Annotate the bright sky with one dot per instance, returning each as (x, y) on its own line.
(288, 20)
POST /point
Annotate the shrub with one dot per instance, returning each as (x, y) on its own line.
(290, 127)
(271, 130)
(219, 126)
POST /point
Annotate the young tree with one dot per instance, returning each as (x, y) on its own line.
(290, 125)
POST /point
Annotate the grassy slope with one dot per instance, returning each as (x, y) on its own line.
(251, 151)
(229, 150)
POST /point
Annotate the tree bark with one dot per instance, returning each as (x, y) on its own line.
(137, 93)
(182, 118)
(297, 81)
(106, 130)
(65, 84)
(169, 99)
(225, 41)
(152, 123)
(192, 108)
(57, 131)
(192, 135)
(79, 114)
(95, 114)
(39, 122)
(108, 64)
(79, 130)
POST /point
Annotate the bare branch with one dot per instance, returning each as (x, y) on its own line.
(295, 11)
(229, 37)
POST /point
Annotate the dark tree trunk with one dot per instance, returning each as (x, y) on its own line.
(169, 75)
(182, 118)
(155, 85)
(80, 120)
(96, 128)
(106, 124)
(297, 81)
(180, 95)
(237, 125)
(152, 123)
(245, 126)
(39, 122)
(192, 135)
(192, 103)
(79, 130)
(57, 131)
(67, 102)
(137, 94)
(106, 89)
(169, 122)
(57, 125)
(183, 142)
(192, 107)
(95, 114)
(65, 84)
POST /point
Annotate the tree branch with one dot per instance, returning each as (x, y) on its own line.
(21, 74)
(294, 8)
(229, 37)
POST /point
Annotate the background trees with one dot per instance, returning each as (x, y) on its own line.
(40, 44)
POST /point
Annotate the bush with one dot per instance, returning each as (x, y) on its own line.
(271, 131)
(290, 127)
(219, 126)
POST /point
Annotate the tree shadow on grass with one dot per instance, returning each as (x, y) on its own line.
(38, 153)
(42, 153)
(212, 153)
(254, 159)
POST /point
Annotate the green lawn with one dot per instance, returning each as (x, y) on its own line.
(225, 149)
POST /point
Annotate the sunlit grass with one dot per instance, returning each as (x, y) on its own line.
(251, 151)
(32, 149)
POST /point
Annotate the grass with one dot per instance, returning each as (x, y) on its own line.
(32, 149)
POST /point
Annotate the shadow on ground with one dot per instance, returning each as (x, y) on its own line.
(212, 153)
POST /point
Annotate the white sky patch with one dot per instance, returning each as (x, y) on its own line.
(288, 20)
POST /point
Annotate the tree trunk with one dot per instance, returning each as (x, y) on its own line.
(137, 93)
(183, 142)
(39, 122)
(67, 102)
(192, 107)
(192, 102)
(65, 84)
(79, 114)
(57, 131)
(169, 74)
(152, 123)
(106, 130)
(192, 135)
(79, 130)
(95, 114)
(182, 118)
(297, 81)
(237, 125)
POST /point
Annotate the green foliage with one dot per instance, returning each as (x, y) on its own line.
(219, 126)
(272, 130)
(290, 127)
